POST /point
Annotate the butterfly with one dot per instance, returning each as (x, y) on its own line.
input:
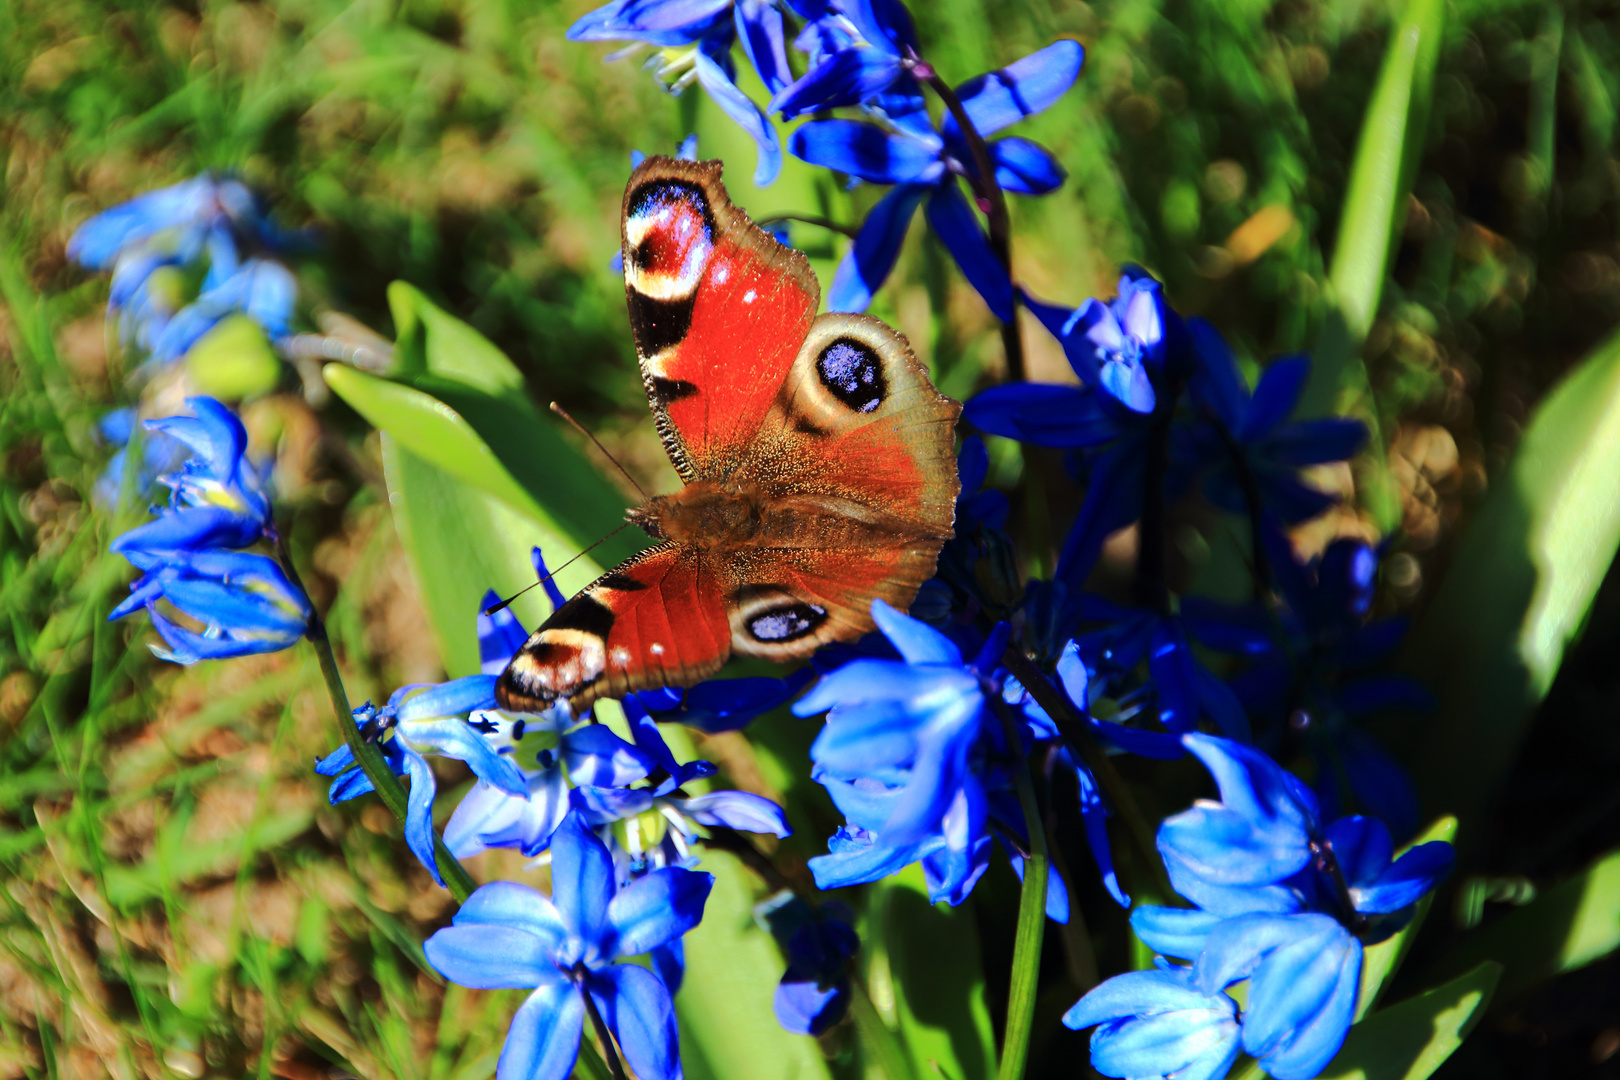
(816, 455)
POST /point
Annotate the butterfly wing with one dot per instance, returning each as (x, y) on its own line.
(718, 309)
(656, 619)
(855, 459)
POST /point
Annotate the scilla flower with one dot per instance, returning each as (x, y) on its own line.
(217, 497)
(244, 602)
(415, 723)
(508, 936)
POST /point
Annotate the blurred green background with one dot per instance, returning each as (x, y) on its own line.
(179, 900)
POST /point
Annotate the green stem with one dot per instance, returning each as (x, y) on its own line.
(370, 759)
(1026, 965)
(1072, 728)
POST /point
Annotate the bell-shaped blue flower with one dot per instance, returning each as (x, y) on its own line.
(814, 992)
(1158, 1024)
(244, 602)
(417, 723)
(695, 38)
(217, 497)
(159, 454)
(508, 936)
(923, 163)
(262, 289)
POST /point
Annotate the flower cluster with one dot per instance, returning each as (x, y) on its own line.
(1285, 900)
(861, 54)
(193, 555)
(151, 241)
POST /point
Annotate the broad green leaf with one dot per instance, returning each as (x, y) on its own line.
(1387, 154)
(431, 430)
(233, 361)
(1566, 927)
(429, 340)
(1519, 588)
(927, 977)
(463, 541)
(1410, 1040)
(1380, 962)
(727, 1020)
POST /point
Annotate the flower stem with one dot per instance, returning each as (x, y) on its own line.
(615, 1067)
(994, 202)
(1260, 567)
(1151, 588)
(370, 759)
(1072, 728)
(810, 219)
(1026, 964)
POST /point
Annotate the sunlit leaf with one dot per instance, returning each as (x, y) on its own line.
(1520, 587)
(1410, 1040)
(1380, 962)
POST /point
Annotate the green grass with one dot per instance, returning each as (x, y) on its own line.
(178, 899)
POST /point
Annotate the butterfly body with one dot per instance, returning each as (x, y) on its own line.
(817, 460)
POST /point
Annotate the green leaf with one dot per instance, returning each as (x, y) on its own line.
(1409, 1041)
(1387, 154)
(925, 973)
(233, 361)
(463, 541)
(1566, 927)
(1519, 588)
(727, 1021)
(1380, 962)
(429, 340)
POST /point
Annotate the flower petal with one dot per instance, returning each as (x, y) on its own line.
(741, 810)
(1023, 88)
(486, 956)
(543, 1040)
(658, 908)
(958, 228)
(1045, 414)
(866, 266)
(636, 1007)
(582, 881)
(735, 104)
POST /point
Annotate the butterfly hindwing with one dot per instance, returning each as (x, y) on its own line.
(718, 309)
(656, 619)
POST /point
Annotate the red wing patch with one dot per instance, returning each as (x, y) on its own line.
(657, 619)
(719, 310)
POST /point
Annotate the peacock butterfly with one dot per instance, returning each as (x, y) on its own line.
(817, 460)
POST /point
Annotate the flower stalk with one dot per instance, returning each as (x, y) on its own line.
(1026, 963)
(992, 200)
(387, 785)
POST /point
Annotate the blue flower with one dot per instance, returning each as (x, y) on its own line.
(1132, 356)
(923, 163)
(813, 994)
(508, 936)
(1311, 671)
(1158, 1024)
(144, 240)
(1246, 440)
(857, 52)
(1284, 901)
(244, 602)
(417, 722)
(694, 39)
(217, 497)
(917, 763)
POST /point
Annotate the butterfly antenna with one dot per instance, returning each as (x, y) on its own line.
(551, 574)
(562, 412)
